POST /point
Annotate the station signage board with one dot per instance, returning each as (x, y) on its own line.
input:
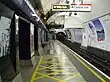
(72, 7)
(60, 7)
(81, 7)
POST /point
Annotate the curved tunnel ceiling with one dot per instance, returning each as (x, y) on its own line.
(64, 18)
(99, 8)
(46, 4)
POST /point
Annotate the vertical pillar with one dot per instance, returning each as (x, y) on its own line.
(13, 42)
(36, 39)
(24, 42)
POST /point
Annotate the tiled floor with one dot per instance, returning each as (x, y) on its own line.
(60, 64)
(54, 66)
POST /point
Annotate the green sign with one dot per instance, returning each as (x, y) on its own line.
(59, 7)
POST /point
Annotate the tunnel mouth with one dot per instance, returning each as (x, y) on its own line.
(61, 36)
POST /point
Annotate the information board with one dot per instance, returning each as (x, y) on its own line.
(72, 7)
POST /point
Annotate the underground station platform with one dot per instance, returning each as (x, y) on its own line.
(58, 63)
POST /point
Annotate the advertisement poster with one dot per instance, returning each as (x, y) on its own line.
(99, 29)
(4, 35)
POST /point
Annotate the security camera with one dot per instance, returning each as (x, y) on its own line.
(75, 13)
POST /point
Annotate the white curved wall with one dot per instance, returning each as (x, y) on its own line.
(73, 22)
(99, 7)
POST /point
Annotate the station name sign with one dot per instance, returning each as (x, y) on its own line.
(60, 7)
(72, 7)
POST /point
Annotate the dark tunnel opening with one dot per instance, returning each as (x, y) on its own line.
(61, 36)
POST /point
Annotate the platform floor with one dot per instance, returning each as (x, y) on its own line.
(59, 64)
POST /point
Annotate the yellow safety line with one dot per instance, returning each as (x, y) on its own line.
(44, 67)
(98, 76)
(39, 77)
(62, 81)
(49, 76)
(39, 63)
(34, 73)
(54, 69)
(44, 75)
(73, 75)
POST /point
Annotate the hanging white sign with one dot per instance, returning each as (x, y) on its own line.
(81, 7)
(72, 7)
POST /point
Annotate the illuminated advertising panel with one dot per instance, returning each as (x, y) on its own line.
(99, 29)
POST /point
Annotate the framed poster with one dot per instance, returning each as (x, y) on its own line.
(4, 35)
(99, 30)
